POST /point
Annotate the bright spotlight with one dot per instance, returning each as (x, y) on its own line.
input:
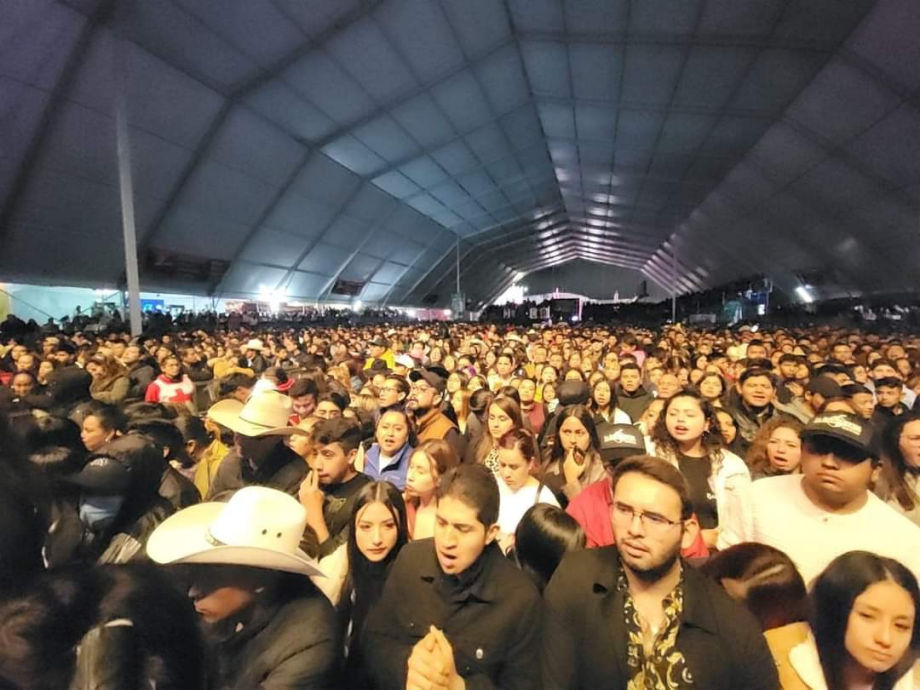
(804, 294)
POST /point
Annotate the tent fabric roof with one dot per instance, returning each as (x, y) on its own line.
(294, 144)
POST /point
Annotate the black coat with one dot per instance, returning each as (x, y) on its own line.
(283, 469)
(140, 375)
(178, 489)
(291, 647)
(584, 630)
(634, 404)
(494, 631)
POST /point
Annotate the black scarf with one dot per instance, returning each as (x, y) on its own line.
(457, 589)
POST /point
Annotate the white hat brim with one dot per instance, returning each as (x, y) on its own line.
(227, 413)
(184, 538)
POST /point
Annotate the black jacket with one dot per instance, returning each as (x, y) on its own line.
(289, 647)
(257, 364)
(178, 489)
(140, 375)
(635, 403)
(200, 371)
(584, 631)
(493, 627)
(283, 469)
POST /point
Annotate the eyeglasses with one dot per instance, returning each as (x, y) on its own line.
(649, 521)
(420, 389)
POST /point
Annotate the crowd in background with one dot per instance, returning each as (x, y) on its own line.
(414, 505)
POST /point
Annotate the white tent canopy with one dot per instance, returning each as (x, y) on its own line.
(326, 148)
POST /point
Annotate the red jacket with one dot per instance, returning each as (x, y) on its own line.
(591, 510)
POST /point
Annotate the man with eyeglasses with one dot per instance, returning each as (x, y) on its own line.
(635, 615)
(392, 394)
(426, 394)
(829, 509)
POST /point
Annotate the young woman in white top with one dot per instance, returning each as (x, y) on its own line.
(687, 434)
(866, 633)
(604, 404)
(518, 488)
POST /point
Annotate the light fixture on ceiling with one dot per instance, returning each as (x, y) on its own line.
(273, 297)
(804, 294)
(356, 305)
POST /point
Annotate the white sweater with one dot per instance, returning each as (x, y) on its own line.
(515, 503)
(731, 483)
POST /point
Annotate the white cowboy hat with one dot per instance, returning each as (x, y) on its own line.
(254, 344)
(258, 527)
(264, 414)
(405, 361)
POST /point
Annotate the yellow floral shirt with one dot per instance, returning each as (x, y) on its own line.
(664, 668)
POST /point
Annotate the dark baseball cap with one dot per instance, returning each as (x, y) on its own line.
(572, 393)
(436, 377)
(831, 368)
(825, 386)
(619, 441)
(848, 428)
(889, 382)
(103, 474)
(852, 389)
(379, 341)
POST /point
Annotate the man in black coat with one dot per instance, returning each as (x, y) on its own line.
(141, 372)
(259, 455)
(455, 613)
(606, 609)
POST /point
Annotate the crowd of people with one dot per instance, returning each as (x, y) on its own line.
(412, 505)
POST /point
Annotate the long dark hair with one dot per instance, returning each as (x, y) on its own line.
(614, 400)
(543, 536)
(43, 627)
(774, 591)
(711, 439)
(583, 415)
(894, 465)
(366, 579)
(832, 598)
(510, 407)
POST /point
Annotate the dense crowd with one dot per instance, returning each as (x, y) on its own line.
(408, 505)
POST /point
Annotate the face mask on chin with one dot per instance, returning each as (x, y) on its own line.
(98, 512)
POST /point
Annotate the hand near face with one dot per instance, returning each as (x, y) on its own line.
(573, 467)
(311, 496)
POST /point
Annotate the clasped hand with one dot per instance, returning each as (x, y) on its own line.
(431, 664)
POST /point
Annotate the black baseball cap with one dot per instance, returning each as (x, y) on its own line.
(103, 474)
(435, 376)
(848, 428)
(572, 393)
(852, 389)
(831, 368)
(889, 382)
(825, 386)
(619, 441)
